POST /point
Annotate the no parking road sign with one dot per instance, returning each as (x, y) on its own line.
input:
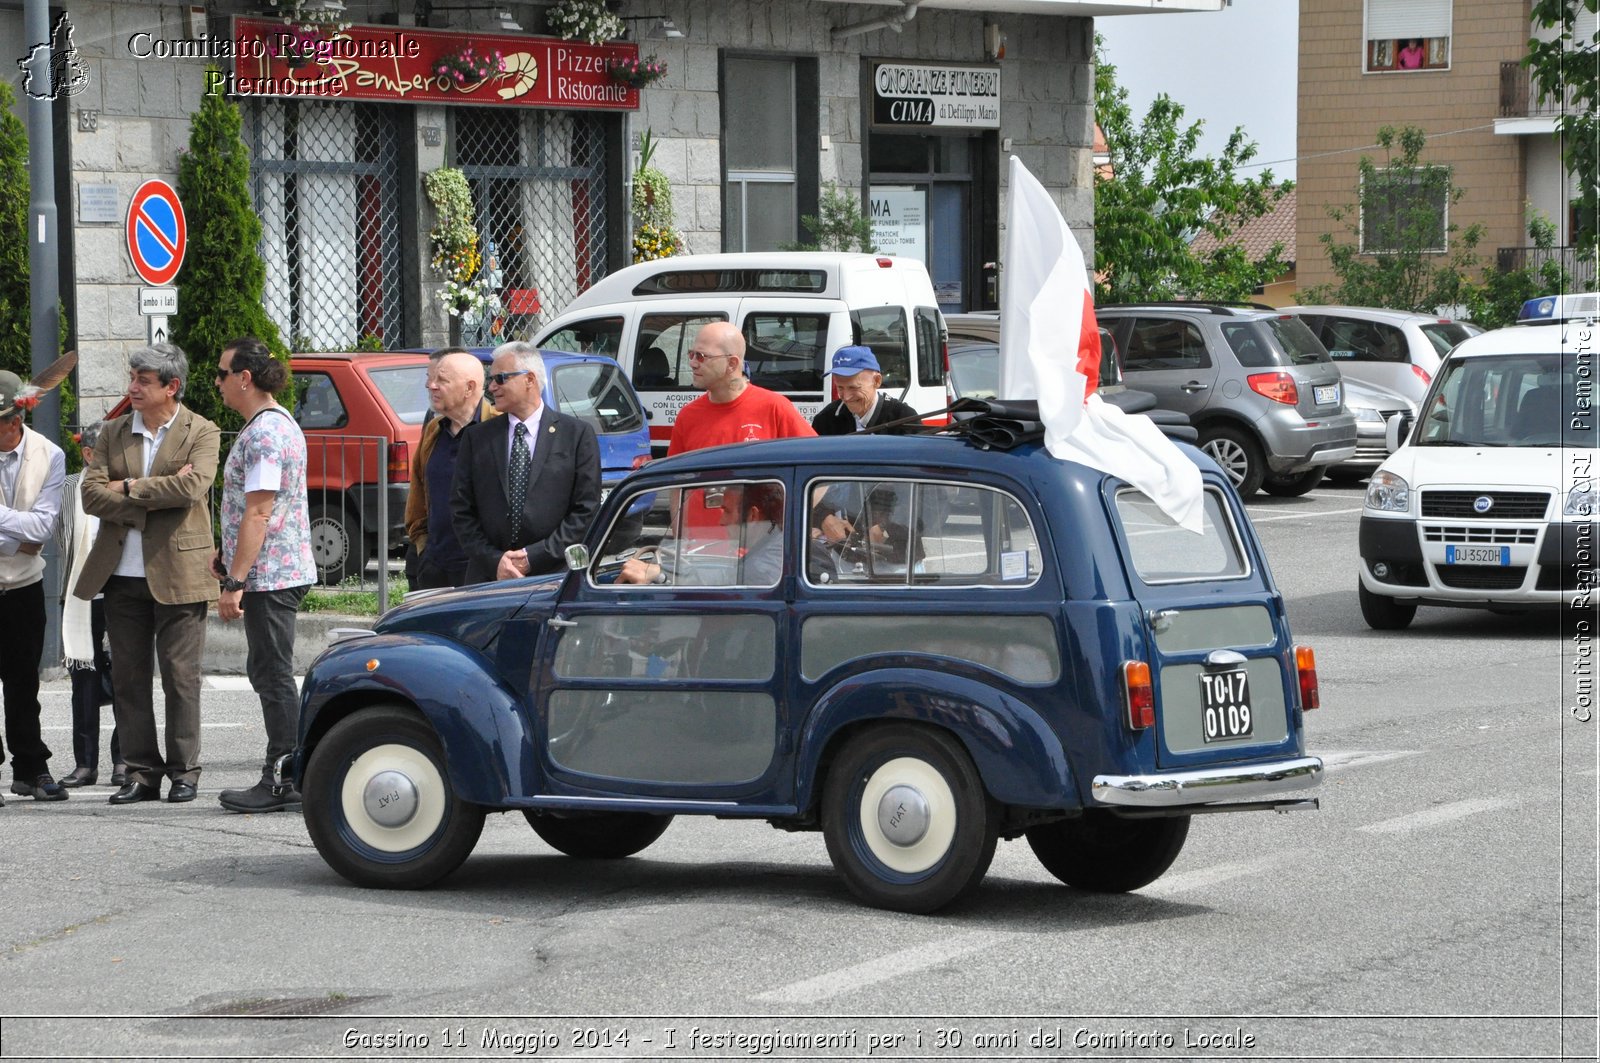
(157, 232)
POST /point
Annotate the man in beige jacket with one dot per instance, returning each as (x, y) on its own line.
(149, 484)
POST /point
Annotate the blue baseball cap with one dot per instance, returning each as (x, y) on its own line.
(848, 361)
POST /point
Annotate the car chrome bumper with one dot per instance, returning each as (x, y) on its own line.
(1205, 785)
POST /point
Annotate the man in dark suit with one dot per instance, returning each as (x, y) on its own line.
(860, 405)
(149, 483)
(527, 484)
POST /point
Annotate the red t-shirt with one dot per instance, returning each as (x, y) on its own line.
(756, 414)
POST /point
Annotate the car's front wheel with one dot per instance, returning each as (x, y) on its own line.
(1239, 455)
(597, 835)
(906, 818)
(379, 805)
(1293, 485)
(1104, 853)
(338, 547)
(1383, 613)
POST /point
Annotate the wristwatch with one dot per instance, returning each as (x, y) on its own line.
(231, 584)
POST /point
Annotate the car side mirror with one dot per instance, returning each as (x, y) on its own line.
(1395, 430)
(577, 557)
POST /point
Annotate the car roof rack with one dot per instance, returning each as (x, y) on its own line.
(1207, 306)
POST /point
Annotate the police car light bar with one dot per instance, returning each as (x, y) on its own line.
(1548, 309)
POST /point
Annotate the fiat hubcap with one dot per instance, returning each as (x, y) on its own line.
(903, 815)
(390, 799)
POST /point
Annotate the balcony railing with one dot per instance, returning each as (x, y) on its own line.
(1581, 270)
(1520, 98)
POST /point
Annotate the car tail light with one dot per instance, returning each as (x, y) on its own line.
(1138, 695)
(641, 460)
(1305, 666)
(1279, 387)
(1422, 374)
(399, 463)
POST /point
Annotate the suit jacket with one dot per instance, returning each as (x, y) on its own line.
(835, 419)
(563, 493)
(171, 510)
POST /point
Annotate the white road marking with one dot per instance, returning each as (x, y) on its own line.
(1302, 516)
(894, 965)
(1432, 817)
(1205, 877)
(1350, 758)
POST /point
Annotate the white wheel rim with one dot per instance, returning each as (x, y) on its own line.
(328, 542)
(430, 793)
(920, 776)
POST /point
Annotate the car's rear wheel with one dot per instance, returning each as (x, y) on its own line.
(1294, 485)
(1239, 455)
(906, 818)
(597, 835)
(338, 546)
(378, 802)
(1383, 613)
(1104, 853)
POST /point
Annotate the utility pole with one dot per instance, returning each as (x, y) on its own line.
(44, 284)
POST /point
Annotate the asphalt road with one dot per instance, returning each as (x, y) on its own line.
(1442, 904)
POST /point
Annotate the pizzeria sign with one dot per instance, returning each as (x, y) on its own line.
(400, 65)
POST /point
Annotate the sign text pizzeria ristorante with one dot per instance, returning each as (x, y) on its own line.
(935, 94)
(400, 65)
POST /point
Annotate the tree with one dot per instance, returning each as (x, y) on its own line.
(1403, 253)
(1496, 302)
(223, 275)
(16, 349)
(1158, 194)
(838, 225)
(1566, 69)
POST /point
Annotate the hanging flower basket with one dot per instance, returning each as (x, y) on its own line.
(637, 72)
(584, 20)
(299, 45)
(470, 66)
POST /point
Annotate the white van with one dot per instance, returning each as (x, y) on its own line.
(1490, 502)
(795, 309)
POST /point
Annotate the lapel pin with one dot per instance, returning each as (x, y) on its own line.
(551, 429)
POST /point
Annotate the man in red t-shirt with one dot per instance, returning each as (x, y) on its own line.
(732, 410)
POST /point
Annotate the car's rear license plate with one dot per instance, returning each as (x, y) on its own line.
(1477, 555)
(1225, 705)
(1326, 394)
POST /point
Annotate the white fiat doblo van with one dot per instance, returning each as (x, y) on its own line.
(1490, 502)
(795, 309)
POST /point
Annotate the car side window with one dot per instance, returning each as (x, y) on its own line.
(883, 328)
(784, 351)
(1247, 345)
(661, 353)
(601, 335)
(1161, 343)
(317, 403)
(709, 535)
(917, 533)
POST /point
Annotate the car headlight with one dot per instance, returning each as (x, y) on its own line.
(1367, 413)
(1581, 500)
(1388, 492)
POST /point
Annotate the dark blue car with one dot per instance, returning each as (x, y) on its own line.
(916, 646)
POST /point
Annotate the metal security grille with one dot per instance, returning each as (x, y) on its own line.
(325, 178)
(538, 182)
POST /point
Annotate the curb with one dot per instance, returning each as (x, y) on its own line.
(226, 648)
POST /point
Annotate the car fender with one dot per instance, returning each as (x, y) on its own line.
(479, 720)
(1021, 760)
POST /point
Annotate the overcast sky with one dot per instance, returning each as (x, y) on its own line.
(1236, 67)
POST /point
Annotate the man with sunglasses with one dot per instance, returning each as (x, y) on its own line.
(527, 483)
(732, 410)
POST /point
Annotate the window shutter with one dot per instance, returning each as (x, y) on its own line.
(1584, 27)
(1404, 19)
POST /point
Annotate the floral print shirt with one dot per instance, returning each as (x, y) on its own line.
(270, 454)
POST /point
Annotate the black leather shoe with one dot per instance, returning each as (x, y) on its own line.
(180, 791)
(44, 788)
(134, 792)
(80, 776)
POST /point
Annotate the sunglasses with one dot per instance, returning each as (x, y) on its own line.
(696, 357)
(499, 379)
(222, 374)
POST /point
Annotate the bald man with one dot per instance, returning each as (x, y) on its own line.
(455, 393)
(732, 410)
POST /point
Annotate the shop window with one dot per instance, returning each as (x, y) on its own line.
(1405, 209)
(1407, 35)
(762, 177)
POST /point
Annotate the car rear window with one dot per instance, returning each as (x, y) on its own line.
(1163, 552)
(975, 370)
(1297, 341)
(405, 389)
(596, 393)
(1445, 335)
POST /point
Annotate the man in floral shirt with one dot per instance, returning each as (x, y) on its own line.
(265, 564)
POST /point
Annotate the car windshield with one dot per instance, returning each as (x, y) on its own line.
(1297, 340)
(405, 389)
(975, 370)
(1524, 400)
(595, 392)
(1445, 335)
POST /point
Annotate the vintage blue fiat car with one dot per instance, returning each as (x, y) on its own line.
(915, 645)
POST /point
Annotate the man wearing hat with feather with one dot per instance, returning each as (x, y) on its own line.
(32, 473)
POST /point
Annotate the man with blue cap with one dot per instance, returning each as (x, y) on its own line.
(860, 406)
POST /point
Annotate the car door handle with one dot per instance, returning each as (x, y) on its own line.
(1194, 385)
(556, 621)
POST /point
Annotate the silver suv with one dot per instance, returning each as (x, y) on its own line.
(1261, 390)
